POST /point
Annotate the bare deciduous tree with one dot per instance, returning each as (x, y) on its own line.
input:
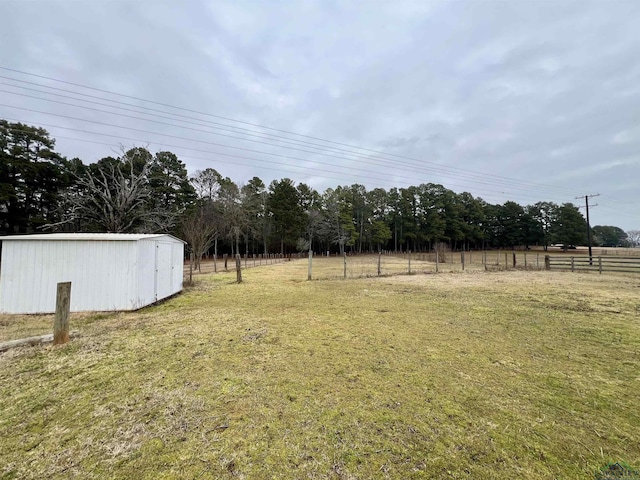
(634, 237)
(200, 228)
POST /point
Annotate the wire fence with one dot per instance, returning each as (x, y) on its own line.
(349, 266)
(385, 264)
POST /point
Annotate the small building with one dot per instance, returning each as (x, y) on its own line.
(107, 271)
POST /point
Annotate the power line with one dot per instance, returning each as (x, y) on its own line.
(217, 144)
(469, 172)
(369, 160)
(289, 166)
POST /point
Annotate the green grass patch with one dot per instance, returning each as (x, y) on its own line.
(476, 375)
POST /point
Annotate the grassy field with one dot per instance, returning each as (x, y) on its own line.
(466, 375)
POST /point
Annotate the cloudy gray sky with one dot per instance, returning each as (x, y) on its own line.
(509, 100)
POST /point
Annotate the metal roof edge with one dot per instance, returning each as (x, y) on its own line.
(108, 237)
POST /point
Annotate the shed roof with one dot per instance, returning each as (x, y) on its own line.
(108, 237)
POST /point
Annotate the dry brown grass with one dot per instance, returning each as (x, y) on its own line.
(475, 375)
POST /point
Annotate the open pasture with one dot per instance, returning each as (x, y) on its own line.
(518, 374)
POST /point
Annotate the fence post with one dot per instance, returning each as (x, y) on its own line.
(379, 260)
(600, 265)
(61, 322)
(462, 259)
(547, 262)
(437, 260)
(191, 268)
(409, 257)
(345, 265)
(238, 268)
(514, 259)
(498, 259)
(506, 262)
(537, 260)
(572, 264)
(525, 260)
(484, 259)
(310, 260)
(226, 257)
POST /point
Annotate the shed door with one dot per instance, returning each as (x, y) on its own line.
(163, 269)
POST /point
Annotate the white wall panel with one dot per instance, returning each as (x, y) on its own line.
(105, 275)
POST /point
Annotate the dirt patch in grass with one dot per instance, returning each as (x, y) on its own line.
(467, 375)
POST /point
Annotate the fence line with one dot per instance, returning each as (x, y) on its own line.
(584, 263)
(227, 263)
(323, 266)
(408, 263)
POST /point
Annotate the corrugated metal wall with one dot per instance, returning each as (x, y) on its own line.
(105, 275)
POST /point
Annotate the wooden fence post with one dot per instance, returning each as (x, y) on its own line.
(484, 259)
(191, 268)
(437, 260)
(514, 259)
(547, 262)
(310, 260)
(506, 264)
(572, 269)
(600, 265)
(238, 268)
(345, 265)
(525, 260)
(462, 259)
(379, 260)
(537, 260)
(409, 257)
(61, 322)
(226, 257)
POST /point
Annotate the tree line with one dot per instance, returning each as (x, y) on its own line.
(137, 191)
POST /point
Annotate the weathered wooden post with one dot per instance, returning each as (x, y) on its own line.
(61, 322)
(238, 268)
(310, 260)
(191, 268)
(506, 261)
(547, 262)
(409, 257)
(514, 259)
(525, 260)
(462, 259)
(600, 265)
(537, 260)
(345, 265)
(437, 260)
(572, 264)
(484, 259)
(226, 257)
(379, 260)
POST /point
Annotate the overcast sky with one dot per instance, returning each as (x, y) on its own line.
(509, 100)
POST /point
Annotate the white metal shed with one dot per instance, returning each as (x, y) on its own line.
(108, 271)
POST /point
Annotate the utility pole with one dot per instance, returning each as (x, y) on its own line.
(586, 202)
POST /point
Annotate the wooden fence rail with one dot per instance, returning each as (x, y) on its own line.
(584, 263)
